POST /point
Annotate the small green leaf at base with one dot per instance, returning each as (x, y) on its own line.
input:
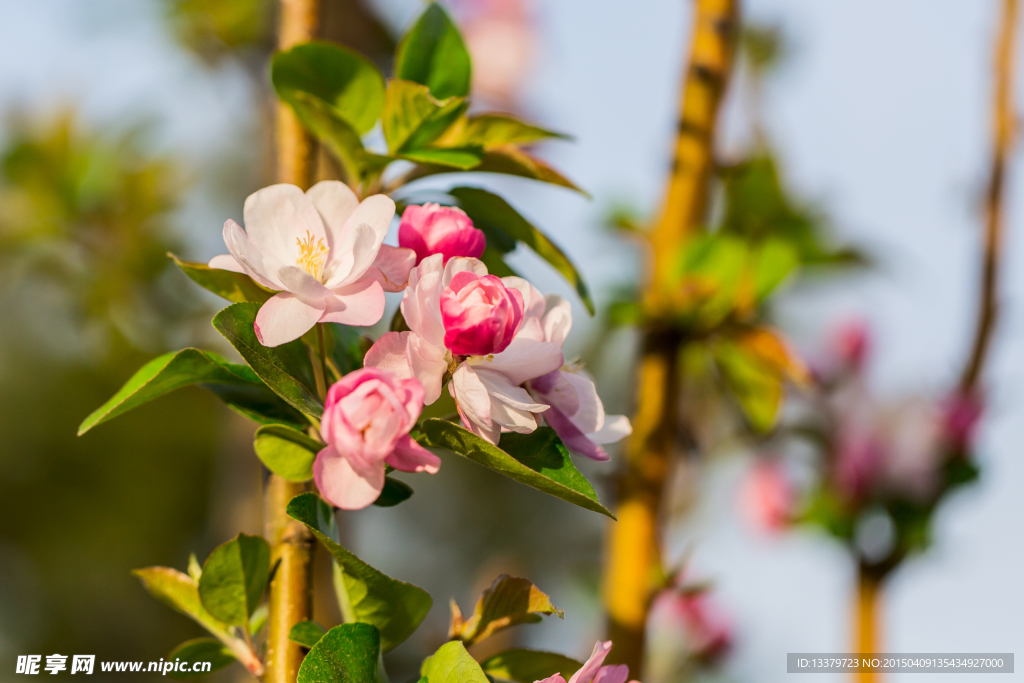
(209, 653)
(394, 492)
(452, 664)
(538, 459)
(234, 578)
(396, 608)
(307, 633)
(527, 666)
(349, 653)
(285, 368)
(286, 452)
(235, 287)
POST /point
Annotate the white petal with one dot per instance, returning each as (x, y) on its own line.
(557, 319)
(616, 428)
(500, 389)
(226, 262)
(421, 305)
(513, 419)
(389, 353)
(471, 395)
(590, 415)
(361, 235)
(298, 281)
(391, 268)
(523, 360)
(257, 265)
(428, 366)
(277, 217)
(360, 303)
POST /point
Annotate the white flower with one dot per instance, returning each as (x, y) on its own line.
(322, 251)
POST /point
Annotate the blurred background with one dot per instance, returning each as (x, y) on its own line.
(129, 129)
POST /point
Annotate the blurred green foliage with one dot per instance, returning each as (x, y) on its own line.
(86, 295)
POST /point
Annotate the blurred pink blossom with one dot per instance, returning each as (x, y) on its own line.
(592, 670)
(767, 498)
(702, 629)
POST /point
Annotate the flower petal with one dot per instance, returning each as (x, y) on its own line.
(571, 435)
(335, 203)
(513, 419)
(587, 671)
(345, 485)
(471, 396)
(226, 262)
(285, 317)
(277, 217)
(391, 267)
(421, 305)
(460, 264)
(390, 353)
(428, 366)
(409, 456)
(616, 428)
(524, 359)
(362, 234)
(557, 319)
(360, 304)
(613, 673)
(589, 417)
(259, 266)
(500, 389)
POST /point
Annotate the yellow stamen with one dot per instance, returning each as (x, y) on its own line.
(312, 254)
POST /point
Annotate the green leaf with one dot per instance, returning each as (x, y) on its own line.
(307, 633)
(349, 653)
(343, 80)
(488, 130)
(181, 593)
(498, 219)
(773, 262)
(396, 608)
(463, 159)
(394, 492)
(527, 666)
(286, 452)
(757, 388)
(507, 160)
(452, 664)
(538, 459)
(496, 265)
(349, 347)
(166, 373)
(508, 601)
(191, 652)
(285, 368)
(339, 137)
(234, 578)
(258, 403)
(434, 54)
(228, 284)
(412, 119)
(259, 619)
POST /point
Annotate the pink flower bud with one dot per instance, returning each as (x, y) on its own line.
(852, 343)
(366, 422)
(767, 498)
(433, 229)
(480, 314)
(960, 416)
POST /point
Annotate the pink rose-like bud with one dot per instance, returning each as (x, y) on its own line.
(480, 314)
(433, 229)
(366, 422)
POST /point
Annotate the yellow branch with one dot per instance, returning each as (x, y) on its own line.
(866, 626)
(291, 546)
(633, 560)
(1004, 127)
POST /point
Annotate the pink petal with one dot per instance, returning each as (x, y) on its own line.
(461, 264)
(589, 415)
(298, 281)
(421, 306)
(525, 359)
(285, 317)
(345, 485)
(360, 304)
(226, 262)
(428, 366)
(557, 678)
(391, 267)
(409, 456)
(363, 234)
(557, 319)
(259, 266)
(615, 428)
(571, 435)
(589, 669)
(389, 353)
(613, 673)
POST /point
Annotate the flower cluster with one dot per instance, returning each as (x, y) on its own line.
(496, 342)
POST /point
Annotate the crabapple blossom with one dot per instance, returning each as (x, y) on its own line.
(480, 315)
(433, 229)
(322, 251)
(766, 497)
(367, 417)
(486, 387)
(575, 411)
(592, 670)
